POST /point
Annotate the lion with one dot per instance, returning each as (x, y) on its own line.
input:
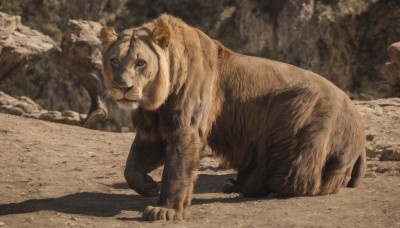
(286, 130)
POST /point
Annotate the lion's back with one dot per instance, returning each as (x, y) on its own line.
(265, 99)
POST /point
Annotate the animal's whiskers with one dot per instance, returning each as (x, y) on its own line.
(145, 100)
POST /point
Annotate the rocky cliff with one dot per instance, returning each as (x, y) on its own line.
(81, 55)
(63, 77)
(343, 40)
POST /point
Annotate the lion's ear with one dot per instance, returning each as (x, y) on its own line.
(107, 36)
(161, 35)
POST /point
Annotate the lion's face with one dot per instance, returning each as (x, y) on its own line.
(131, 65)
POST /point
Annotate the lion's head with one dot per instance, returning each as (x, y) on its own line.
(135, 66)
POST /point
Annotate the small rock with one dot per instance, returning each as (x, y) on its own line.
(370, 137)
(382, 169)
(390, 154)
(394, 52)
(29, 101)
(35, 115)
(370, 175)
(82, 116)
(70, 113)
(9, 109)
(6, 99)
(372, 151)
(50, 115)
(28, 108)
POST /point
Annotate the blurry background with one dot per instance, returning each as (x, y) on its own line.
(345, 41)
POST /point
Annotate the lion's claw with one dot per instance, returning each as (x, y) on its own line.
(160, 213)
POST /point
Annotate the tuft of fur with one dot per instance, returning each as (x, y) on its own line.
(161, 35)
(107, 36)
(284, 129)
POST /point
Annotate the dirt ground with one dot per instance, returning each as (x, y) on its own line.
(54, 175)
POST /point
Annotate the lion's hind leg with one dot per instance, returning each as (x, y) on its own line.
(336, 175)
(342, 174)
(292, 154)
(296, 169)
(346, 164)
(358, 171)
(317, 170)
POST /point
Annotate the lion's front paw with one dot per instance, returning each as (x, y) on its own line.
(161, 213)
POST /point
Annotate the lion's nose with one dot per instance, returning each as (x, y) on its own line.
(122, 85)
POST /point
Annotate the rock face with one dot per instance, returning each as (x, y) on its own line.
(59, 90)
(337, 42)
(81, 54)
(20, 45)
(342, 40)
(92, 10)
(47, 81)
(81, 50)
(391, 70)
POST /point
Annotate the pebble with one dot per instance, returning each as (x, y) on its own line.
(370, 137)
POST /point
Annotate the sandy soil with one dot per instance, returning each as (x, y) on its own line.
(54, 175)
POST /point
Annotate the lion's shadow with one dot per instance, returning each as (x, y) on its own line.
(111, 204)
(85, 203)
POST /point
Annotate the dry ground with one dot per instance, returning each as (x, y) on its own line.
(54, 175)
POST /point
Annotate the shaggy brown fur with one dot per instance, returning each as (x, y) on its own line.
(284, 129)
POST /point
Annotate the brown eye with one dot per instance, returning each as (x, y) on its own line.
(140, 63)
(114, 62)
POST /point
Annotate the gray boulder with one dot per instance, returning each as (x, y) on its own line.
(81, 54)
(20, 45)
(391, 70)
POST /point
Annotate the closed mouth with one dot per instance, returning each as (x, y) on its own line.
(124, 100)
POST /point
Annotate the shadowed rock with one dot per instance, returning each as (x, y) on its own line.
(391, 70)
(81, 54)
(20, 45)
